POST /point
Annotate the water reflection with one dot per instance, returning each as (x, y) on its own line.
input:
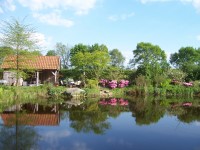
(31, 125)
(186, 113)
(88, 118)
(146, 112)
(18, 122)
(18, 137)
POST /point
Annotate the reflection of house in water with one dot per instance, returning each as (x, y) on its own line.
(31, 114)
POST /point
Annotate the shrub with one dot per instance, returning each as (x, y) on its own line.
(113, 83)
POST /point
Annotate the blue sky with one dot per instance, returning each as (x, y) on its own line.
(120, 24)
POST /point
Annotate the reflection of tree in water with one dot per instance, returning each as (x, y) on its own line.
(113, 111)
(190, 114)
(146, 111)
(18, 137)
(185, 112)
(91, 119)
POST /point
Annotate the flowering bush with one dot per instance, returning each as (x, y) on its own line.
(187, 83)
(113, 83)
(103, 82)
(123, 83)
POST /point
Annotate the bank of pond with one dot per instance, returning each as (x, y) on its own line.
(46, 91)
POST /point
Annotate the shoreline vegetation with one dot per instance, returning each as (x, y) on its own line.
(10, 93)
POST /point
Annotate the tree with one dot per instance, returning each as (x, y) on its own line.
(97, 47)
(19, 36)
(78, 48)
(64, 52)
(92, 64)
(5, 51)
(113, 73)
(187, 59)
(51, 53)
(117, 59)
(90, 60)
(176, 74)
(150, 60)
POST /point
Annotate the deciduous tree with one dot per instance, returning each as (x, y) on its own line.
(64, 52)
(18, 36)
(187, 59)
(117, 59)
(150, 60)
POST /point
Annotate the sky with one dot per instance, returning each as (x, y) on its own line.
(121, 24)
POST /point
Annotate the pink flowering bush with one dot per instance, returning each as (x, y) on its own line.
(187, 83)
(123, 83)
(103, 82)
(113, 83)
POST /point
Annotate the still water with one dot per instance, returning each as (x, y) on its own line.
(118, 124)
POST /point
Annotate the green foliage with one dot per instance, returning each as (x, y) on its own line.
(94, 92)
(78, 48)
(187, 59)
(150, 59)
(118, 92)
(142, 81)
(117, 59)
(1, 91)
(161, 81)
(1, 73)
(56, 91)
(92, 64)
(196, 84)
(5, 51)
(92, 83)
(176, 74)
(113, 73)
(70, 73)
(165, 83)
(30, 53)
(10, 93)
(51, 53)
(97, 47)
(17, 35)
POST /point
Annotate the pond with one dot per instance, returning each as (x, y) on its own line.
(119, 124)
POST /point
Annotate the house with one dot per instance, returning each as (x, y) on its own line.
(40, 69)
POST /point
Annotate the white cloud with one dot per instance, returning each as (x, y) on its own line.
(147, 1)
(121, 17)
(7, 5)
(53, 18)
(43, 41)
(197, 123)
(198, 37)
(80, 6)
(79, 146)
(1, 10)
(10, 5)
(128, 56)
(56, 134)
(195, 3)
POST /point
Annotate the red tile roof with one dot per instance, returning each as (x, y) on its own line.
(31, 119)
(33, 62)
